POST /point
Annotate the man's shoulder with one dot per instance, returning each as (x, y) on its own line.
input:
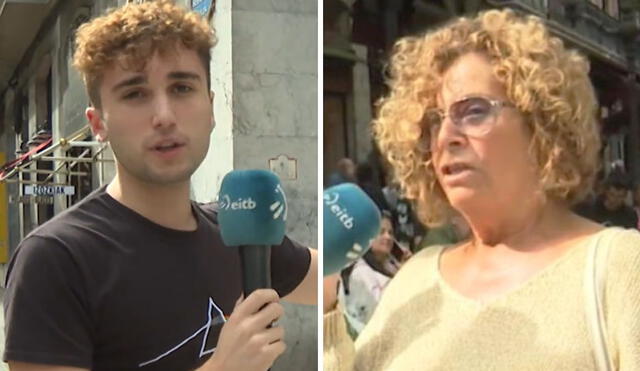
(81, 219)
(209, 210)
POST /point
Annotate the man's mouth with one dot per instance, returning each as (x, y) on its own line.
(167, 147)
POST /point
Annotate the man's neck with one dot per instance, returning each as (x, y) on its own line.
(166, 205)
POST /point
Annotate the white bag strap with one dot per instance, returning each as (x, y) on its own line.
(595, 281)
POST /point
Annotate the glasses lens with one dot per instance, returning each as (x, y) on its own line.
(471, 114)
(430, 125)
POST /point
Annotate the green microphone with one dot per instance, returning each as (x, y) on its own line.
(252, 215)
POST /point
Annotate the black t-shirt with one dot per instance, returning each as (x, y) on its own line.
(102, 287)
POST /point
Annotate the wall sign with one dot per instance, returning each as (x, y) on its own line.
(284, 166)
(49, 190)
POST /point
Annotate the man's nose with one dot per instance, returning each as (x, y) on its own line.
(163, 112)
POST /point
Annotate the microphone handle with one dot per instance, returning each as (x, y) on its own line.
(256, 268)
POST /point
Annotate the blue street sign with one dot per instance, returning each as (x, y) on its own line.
(201, 6)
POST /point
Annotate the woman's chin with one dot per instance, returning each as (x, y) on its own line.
(462, 198)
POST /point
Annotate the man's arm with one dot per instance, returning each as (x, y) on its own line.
(307, 291)
(23, 366)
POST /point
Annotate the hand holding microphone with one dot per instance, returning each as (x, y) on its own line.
(245, 342)
(252, 214)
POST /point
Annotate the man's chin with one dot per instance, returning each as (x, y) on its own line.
(168, 177)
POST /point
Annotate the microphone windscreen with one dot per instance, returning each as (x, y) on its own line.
(252, 208)
(351, 221)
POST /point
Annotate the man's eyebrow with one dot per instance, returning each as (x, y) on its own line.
(184, 75)
(135, 80)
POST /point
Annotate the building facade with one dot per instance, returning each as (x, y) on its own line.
(358, 35)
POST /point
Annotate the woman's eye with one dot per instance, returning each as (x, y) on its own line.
(475, 110)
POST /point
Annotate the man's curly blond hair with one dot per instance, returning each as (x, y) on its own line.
(549, 84)
(130, 35)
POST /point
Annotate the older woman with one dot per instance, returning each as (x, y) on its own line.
(494, 119)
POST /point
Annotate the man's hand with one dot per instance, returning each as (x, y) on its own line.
(246, 342)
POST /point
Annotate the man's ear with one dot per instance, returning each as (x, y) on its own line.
(98, 128)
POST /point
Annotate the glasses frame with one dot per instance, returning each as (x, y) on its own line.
(496, 105)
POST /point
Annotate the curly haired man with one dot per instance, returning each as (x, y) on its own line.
(136, 275)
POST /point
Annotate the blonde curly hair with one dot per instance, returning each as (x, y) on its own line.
(130, 35)
(549, 84)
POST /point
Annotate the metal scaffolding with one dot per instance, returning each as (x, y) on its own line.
(44, 153)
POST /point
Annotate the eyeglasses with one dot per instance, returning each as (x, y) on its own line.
(472, 116)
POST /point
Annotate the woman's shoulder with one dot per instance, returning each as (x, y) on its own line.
(427, 258)
(624, 251)
(418, 272)
(620, 241)
(622, 278)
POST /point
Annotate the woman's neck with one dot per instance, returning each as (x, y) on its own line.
(520, 227)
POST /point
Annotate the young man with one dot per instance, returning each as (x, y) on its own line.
(135, 276)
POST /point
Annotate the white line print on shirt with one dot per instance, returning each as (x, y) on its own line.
(210, 322)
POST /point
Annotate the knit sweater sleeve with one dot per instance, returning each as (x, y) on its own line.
(622, 298)
(338, 349)
(393, 317)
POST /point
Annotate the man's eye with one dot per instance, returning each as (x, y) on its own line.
(181, 89)
(133, 95)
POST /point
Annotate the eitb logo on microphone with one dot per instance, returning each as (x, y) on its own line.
(239, 204)
(341, 212)
(279, 207)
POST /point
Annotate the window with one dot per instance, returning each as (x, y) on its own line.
(612, 8)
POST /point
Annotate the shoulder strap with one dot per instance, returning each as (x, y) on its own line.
(595, 282)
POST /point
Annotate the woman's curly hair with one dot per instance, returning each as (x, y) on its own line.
(130, 35)
(548, 83)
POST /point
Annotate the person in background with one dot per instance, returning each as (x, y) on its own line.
(345, 172)
(408, 229)
(363, 282)
(366, 180)
(611, 208)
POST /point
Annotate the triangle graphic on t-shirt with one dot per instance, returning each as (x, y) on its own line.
(215, 316)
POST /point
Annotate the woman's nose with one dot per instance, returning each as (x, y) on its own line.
(448, 135)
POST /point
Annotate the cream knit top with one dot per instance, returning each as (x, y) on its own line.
(421, 323)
